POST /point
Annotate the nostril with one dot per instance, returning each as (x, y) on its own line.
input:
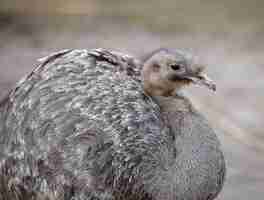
(175, 67)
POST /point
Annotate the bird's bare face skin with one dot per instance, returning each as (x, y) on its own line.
(168, 71)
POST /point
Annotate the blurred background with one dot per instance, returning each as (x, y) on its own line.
(227, 35)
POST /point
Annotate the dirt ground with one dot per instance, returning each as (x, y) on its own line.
(235, 62)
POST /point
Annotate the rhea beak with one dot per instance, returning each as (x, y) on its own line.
(203, 80)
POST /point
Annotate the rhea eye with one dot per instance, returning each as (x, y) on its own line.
(175, 66)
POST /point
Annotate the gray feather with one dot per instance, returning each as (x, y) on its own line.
(80, 126)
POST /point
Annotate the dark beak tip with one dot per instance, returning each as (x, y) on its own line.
(214, 87)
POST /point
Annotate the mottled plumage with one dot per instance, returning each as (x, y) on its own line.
(82, 126)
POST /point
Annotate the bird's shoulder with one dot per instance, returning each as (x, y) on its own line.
(82, 63)
(115, 60)
(124, 62)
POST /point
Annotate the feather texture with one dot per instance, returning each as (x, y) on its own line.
(80, 126)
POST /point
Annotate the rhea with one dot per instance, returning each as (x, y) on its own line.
(99, 124)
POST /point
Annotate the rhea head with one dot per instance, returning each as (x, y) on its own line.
(165, 71)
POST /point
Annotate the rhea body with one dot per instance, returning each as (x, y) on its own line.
(101, 124)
